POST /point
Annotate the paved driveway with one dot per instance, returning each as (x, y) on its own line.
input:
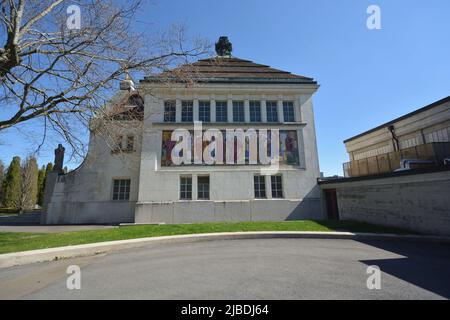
(244, 269)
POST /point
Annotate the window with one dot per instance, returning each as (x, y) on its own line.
(187, 111)
(255, 111)
(203, 188)
(130, 143)
(121, 189)
(277, 187)
(204, 111)
(221, 111)
(238, 111)
(186, 188)
(260, 187)
(272, 111)
(288, 111)
(169, 111)
(117, 144)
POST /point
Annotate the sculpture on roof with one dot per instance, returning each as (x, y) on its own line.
(224, 47)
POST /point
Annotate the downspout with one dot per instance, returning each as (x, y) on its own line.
(395, 140)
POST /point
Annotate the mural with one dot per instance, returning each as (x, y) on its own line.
(289, 152)
(289, 147)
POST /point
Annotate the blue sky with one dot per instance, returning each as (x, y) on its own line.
(367, 77)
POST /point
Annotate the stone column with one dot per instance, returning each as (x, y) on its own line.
(195, 109)
(263, 111)
(280, 111)
(268, 181)
(194, 187)
(247, 111)
(178, 110)
(297, 111)
(213, 110)
(230, 110)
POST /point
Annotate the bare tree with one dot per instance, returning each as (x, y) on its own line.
(63, 76)
(29, 186)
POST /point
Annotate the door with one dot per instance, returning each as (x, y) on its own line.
(332, 204)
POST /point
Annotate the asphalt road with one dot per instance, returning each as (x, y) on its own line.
(244, 269)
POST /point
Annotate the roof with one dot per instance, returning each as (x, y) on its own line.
(387, 124)
(223, 69)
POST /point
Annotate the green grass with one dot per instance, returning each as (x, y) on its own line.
(14, 242)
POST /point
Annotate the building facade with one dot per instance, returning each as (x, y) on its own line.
(420, 135)
(140, 180)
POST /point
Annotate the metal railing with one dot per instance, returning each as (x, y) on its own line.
(389, 162)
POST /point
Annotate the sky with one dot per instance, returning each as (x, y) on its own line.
(367, 77)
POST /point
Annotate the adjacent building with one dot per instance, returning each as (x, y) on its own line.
(420, 135)
(383, 187)
(135, 177)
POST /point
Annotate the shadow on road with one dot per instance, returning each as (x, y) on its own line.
(425, 265)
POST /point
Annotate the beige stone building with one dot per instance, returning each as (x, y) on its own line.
(143, 184)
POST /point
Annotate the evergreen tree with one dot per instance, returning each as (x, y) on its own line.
(12, 184)
(29, 184)
(45, 170)
(41, 186)
(49, 168)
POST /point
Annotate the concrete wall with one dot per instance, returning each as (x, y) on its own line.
(231, 211)
(417, 202)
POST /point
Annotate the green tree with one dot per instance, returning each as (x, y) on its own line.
(49, 168)
(12, 184)
(41, 186)
(41, 191)
(29, 184)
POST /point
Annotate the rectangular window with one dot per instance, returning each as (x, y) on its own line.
(187, 111)
(169, 111)
(203, 188)
(272, 111)
(255, 111)
(277, 187)
(288, 111)
(221, 111)
(130, 143)
(204, 111)
(238, 111)
(117, 144)
(121, 189)
(260, 187)
(186, 188)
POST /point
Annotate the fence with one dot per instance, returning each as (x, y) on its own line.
(390, 162)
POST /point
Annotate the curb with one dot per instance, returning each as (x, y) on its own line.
(43, 255)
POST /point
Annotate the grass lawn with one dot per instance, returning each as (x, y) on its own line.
(14, 242)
